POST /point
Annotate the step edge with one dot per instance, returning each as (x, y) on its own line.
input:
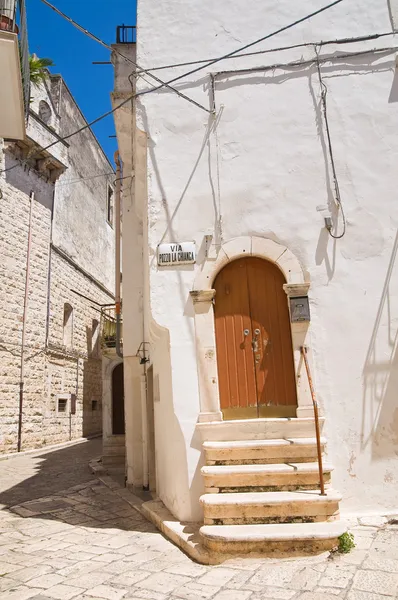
(279, 532)
(264, 468)
(267, 498)
(220, 445)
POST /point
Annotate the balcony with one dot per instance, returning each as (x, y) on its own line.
(12, 115)
(14, 70)
(108, 328)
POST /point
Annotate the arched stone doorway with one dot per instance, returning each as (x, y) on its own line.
(118, 424)
(204, 301)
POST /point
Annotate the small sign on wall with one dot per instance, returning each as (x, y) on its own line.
(178, 253)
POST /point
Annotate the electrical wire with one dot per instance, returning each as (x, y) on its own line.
(108, 113)
(363, 38)
(62, 183)
(309, 61)
(99, 41)
(262, 39)
(164, 84)
(324, 91)
(66, 137)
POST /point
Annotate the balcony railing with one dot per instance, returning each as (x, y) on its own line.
(8, 11)
(126, 34)
(108, 327)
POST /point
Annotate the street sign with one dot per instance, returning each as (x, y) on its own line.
(178, 253)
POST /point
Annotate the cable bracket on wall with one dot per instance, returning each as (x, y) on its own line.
(141, 353)
(337, 196)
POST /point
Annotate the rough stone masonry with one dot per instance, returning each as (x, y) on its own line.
(72, 243)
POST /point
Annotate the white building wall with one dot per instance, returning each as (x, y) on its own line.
(261, 168)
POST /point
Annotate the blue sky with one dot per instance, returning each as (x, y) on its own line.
(72, 52)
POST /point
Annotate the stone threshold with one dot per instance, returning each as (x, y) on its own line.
(45, 449)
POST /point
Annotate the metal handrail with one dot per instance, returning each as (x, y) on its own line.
(316, 416)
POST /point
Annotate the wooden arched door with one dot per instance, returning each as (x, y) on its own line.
(254, 346)
(118, 426)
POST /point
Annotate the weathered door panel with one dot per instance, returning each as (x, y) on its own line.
(233, 338)
(273, 351)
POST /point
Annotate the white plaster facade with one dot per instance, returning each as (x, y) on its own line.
(256, 177)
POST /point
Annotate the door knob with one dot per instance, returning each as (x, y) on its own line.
(257, 332)
(246, 332)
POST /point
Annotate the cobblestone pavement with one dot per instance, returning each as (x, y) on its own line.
(88, 542)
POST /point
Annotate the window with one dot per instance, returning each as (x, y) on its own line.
(94, 405)
(109, 206)
(63, 404)
(68, 325)
(45, 112)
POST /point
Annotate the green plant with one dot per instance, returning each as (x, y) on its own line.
(37, 68)
(346, 543)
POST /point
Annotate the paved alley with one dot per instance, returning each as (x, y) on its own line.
(66, 535)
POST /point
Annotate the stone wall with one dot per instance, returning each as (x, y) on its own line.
(55, 370)
(14, 219)
(71, 251)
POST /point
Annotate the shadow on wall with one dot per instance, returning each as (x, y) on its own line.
(174, 476)
(91, 394)
(380, 373)
(176, 486)
(27, 180)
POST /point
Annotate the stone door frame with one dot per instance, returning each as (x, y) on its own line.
(203, 295)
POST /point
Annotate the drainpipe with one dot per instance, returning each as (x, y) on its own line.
(25, 311)
(144, 426)
(49, 272)
(117, 251)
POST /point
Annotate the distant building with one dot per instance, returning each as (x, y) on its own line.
(56, 272)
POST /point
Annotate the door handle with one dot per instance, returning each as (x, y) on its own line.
(255, 340)
(246, 332)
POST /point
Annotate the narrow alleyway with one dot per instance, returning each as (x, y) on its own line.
(66, 535)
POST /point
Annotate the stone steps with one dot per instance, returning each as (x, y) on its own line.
(263, 477)
(261, 451)
(258, 429)
(266, 507)
(269, 538)
(114, 451)
(262, 488)
(113, 460)
(115, 440)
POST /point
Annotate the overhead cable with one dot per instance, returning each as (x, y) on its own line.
(262, 39)
(66, 137)
(363, 38)
(167, 83)
(306, 62)
(99, 41)
(324, 91)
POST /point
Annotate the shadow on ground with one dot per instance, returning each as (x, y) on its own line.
(31, 476)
